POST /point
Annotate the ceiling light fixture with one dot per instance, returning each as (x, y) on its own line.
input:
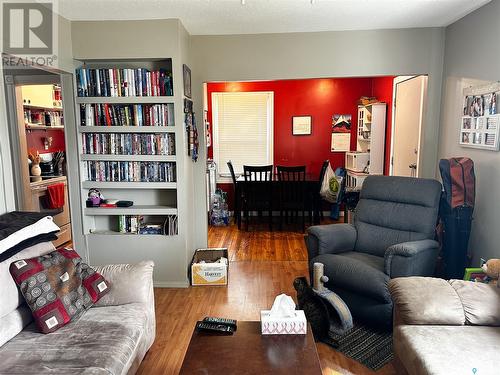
(312, 2)
(243, 2)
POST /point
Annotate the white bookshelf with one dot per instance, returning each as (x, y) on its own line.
(151, 199)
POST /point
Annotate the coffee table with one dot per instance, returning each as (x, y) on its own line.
(249, 352)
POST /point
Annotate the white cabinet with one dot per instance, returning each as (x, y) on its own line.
(370, 143)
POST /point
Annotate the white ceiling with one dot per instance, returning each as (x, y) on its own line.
(213, 17)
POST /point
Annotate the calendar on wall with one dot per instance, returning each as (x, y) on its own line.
(480, 121)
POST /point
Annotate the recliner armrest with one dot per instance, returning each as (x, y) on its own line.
(414, 258)
(330, 239)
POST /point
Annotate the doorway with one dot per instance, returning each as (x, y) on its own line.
(410, 94)
(38, 147)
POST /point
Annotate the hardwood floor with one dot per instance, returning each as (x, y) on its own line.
(263, 265)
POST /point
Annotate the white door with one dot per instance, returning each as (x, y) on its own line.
(410, 96)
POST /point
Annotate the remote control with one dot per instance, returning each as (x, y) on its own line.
(228, 322)
(214, 327)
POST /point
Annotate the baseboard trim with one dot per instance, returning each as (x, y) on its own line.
(170, 284)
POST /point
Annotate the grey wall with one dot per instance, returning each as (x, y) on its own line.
(472, 57)
(314, 55)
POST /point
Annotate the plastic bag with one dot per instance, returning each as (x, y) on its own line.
(330, 186)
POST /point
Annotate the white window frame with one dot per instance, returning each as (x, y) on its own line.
(226, 177)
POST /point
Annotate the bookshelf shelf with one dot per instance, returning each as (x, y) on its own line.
(86, 157)
(125, 99)
(114, 233)
(129, 185)
(134, 210)
(43, 127)
(126, 129)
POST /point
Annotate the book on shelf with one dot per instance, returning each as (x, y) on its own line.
(128, 144)
(130, 171)
(116, 82)
(98, 114)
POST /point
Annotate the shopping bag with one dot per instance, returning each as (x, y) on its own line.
(330, 186)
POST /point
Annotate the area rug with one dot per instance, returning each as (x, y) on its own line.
(368, 346)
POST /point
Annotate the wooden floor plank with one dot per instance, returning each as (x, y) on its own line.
(263, 265)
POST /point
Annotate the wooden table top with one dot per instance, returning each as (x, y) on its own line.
(249, 352)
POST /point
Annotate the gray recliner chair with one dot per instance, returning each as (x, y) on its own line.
(392, 236)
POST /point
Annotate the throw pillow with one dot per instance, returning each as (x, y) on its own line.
(58, 287)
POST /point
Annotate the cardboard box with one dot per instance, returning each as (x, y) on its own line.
(296, 325)
(209, 273)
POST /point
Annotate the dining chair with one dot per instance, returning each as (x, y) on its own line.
(257, 192)
(236, 199)
(292, 193)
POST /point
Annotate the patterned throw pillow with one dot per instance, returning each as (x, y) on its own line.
(58, 287)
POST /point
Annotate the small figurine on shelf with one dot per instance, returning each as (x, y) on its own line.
(94, 198)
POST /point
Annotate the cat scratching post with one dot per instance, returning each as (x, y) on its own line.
(319, 277)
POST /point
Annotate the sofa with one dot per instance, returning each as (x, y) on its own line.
(112, 337)
(392, 236)
(446, 327)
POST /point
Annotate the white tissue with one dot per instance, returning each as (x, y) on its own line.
(283, 307)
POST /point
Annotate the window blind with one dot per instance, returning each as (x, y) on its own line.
(243, 129)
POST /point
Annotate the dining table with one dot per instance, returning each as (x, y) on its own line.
(312, 186)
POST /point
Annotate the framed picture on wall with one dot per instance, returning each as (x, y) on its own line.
(301, 125)
(186, 75)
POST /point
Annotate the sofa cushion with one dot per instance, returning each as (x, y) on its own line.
(12, 322)
(426, 300)
(481, 302)
(58, 287)
(357, 272)
(448, 349)
(103, 341)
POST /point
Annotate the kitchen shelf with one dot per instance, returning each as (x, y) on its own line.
(128, 185)
(126, 129)
(125, 99)
(133, 210)
(104, 157)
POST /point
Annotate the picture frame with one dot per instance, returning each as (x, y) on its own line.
(186, 76)
(301, 125)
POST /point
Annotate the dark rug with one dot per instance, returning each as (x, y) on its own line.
(365, 345)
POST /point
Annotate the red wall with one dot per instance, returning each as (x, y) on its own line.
(34, 140)
(383, 91)
(319, 98)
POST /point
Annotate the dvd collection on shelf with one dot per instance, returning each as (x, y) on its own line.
(135, 224)
(128, 144)
(130, 171)
(126, 114)
(123, 82)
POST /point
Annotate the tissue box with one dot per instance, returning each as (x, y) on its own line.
(209, 273)
(296, 325)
